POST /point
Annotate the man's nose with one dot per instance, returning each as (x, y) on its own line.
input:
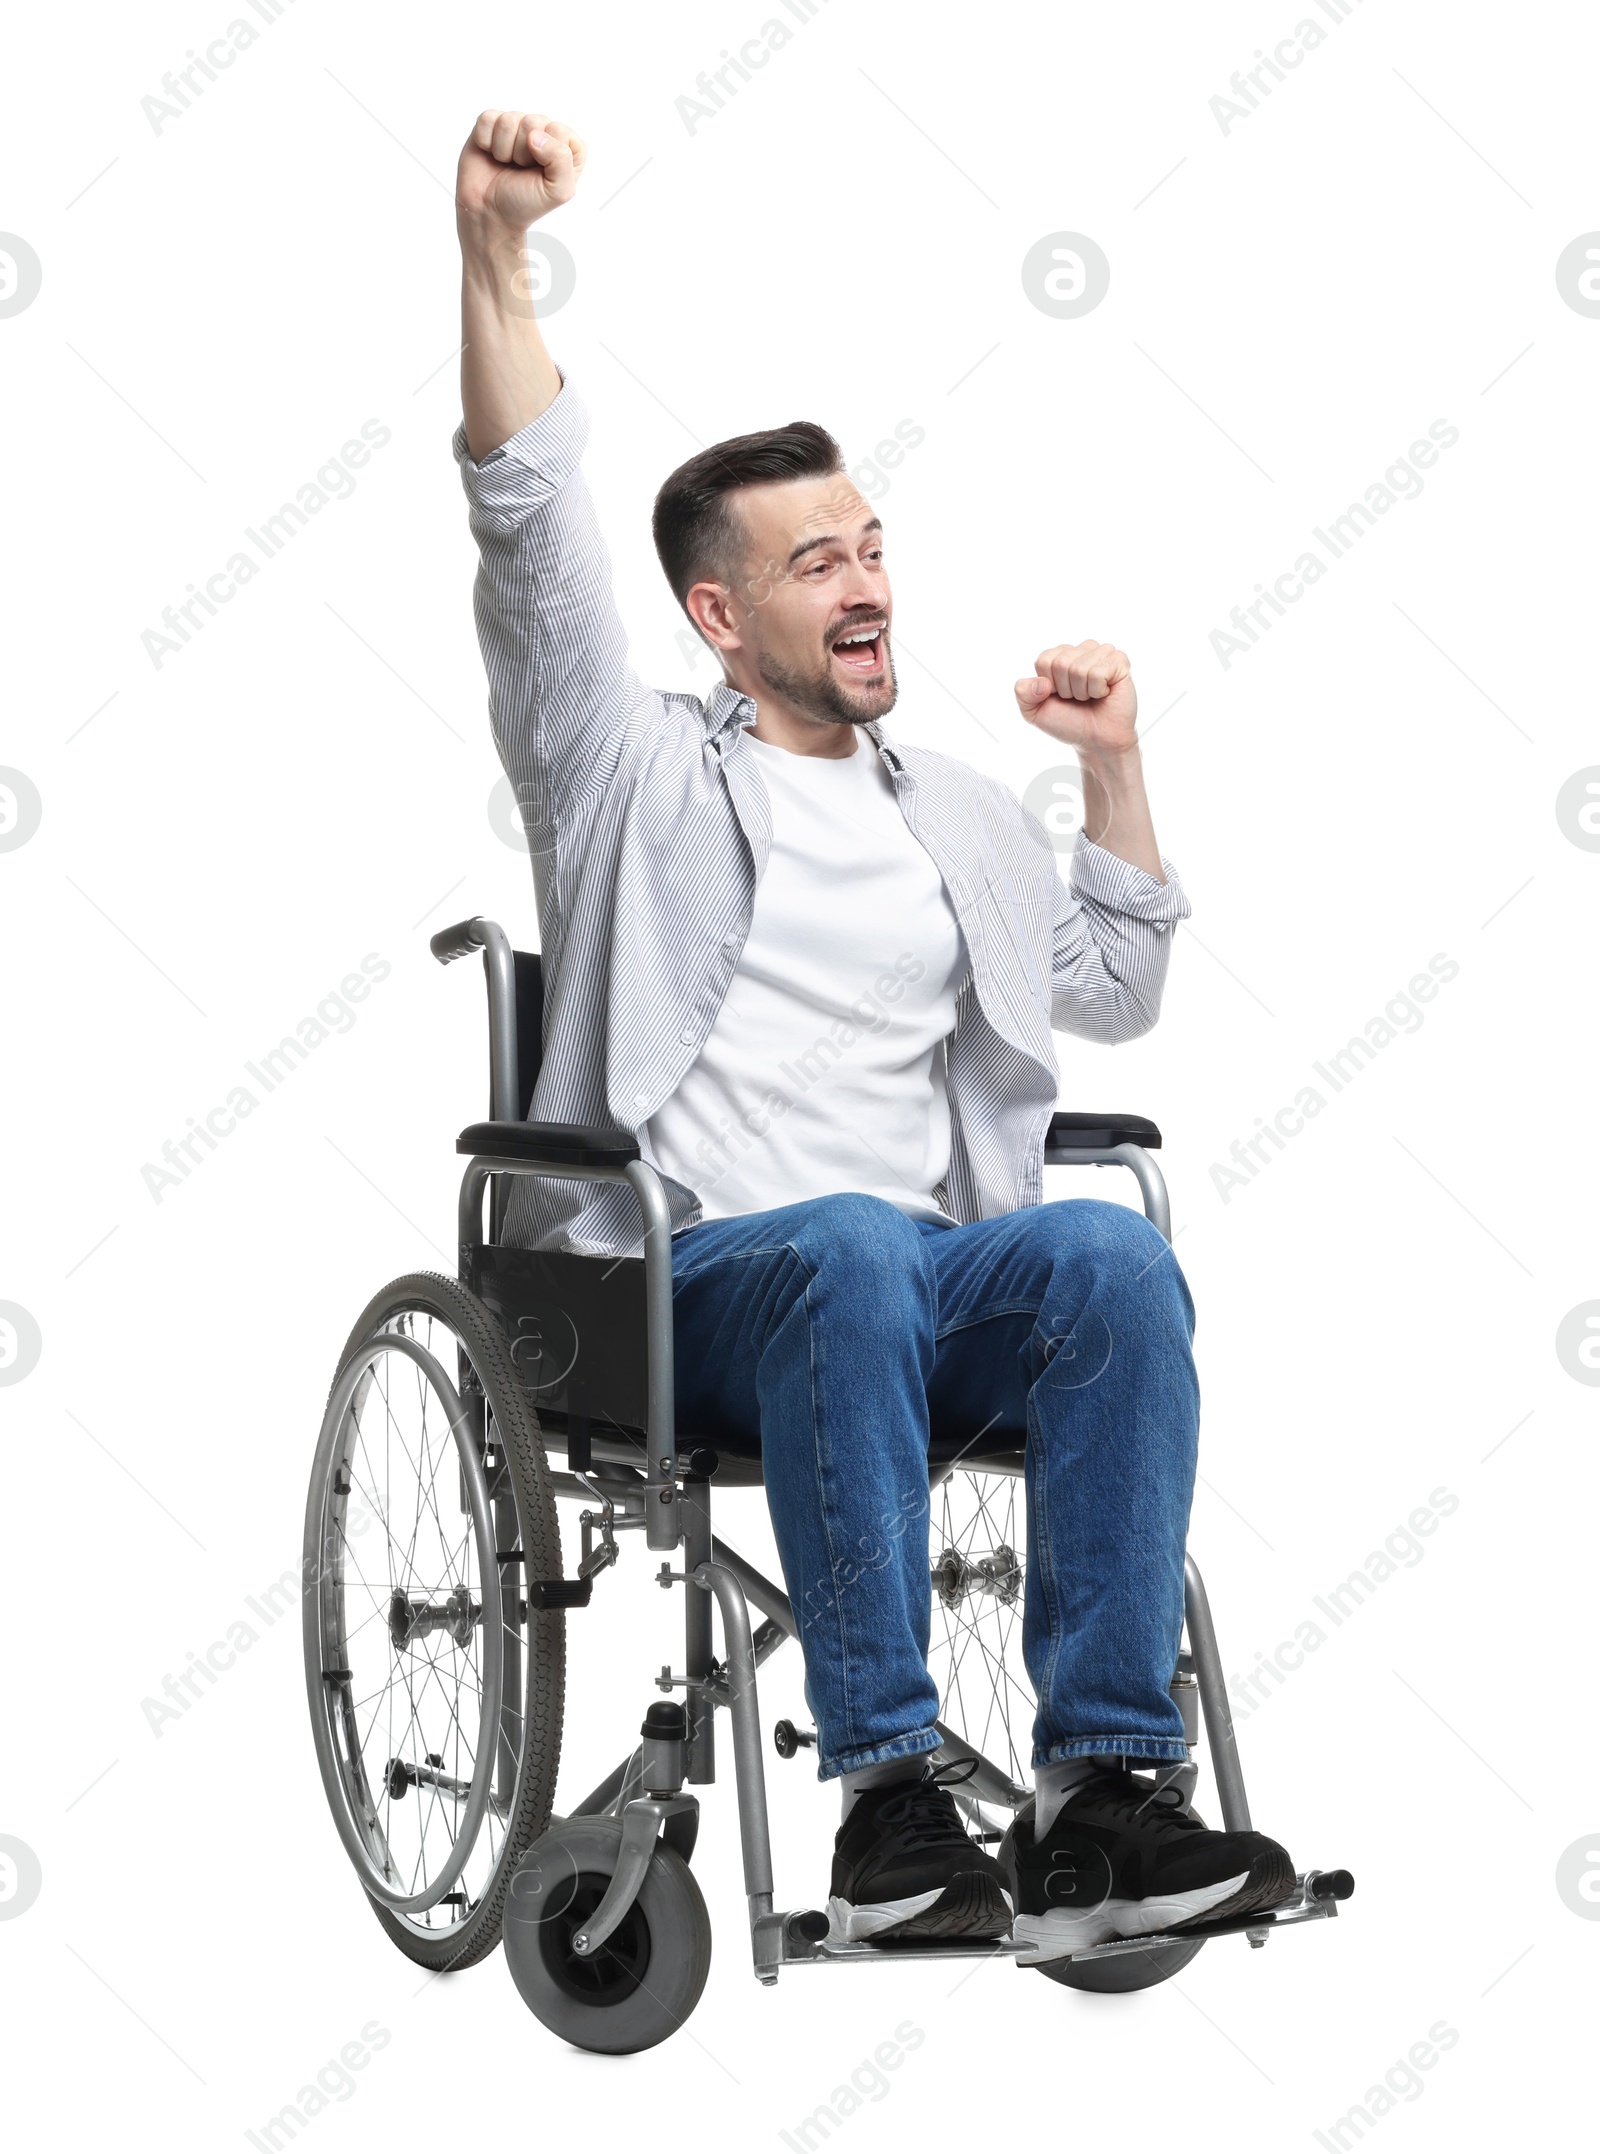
(866, 589)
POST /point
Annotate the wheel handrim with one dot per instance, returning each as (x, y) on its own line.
(427, 1634)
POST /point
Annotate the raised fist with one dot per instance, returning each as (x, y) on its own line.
(515, 168)
(1082, 694)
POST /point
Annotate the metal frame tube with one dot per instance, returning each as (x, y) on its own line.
(662, 1527)
(505, 1101)
(599, 1801)
(986, 1782)
(699, 1546)
(1152, 1185)
(1224, 1751)
(500, 970)
(758, 1590)
(749, 1770)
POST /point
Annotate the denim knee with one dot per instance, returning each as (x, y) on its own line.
(850, 1238)
(1111, 1256)
(1112, 1234)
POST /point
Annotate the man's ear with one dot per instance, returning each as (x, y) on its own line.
(711, 608)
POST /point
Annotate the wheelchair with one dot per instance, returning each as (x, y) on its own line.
(436, 1601)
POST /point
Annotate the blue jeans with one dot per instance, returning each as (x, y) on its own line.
(844, 1331)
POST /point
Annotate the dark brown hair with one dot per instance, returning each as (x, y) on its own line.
(696, 529)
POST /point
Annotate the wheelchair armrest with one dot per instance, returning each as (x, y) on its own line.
(567, 1144)
(1100, 1132)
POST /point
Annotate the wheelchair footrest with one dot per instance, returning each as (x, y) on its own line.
(800, 1938)
(1315, 1898)
(559, 1592)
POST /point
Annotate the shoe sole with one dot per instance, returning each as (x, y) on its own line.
(1056, 1933)
(971, 1905)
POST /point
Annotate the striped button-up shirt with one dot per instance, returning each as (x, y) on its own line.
(649, 825)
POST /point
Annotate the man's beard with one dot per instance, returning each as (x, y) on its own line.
(823, 695)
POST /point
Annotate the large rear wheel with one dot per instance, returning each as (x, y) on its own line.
(435, 1691)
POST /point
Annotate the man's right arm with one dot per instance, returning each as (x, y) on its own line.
(560, 687)
(515, 168)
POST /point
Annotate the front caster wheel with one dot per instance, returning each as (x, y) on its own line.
(645, 1980)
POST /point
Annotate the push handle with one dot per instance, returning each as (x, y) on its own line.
(462, 939)
(500, 965)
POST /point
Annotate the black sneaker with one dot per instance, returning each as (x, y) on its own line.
(1123, 1858)
(904, 1867)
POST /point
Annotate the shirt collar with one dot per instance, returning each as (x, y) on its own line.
(728, 710)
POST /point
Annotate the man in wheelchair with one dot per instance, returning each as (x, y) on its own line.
(815, 972)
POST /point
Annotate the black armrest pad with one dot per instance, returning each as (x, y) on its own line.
(574, 1144)
(1099, 1132)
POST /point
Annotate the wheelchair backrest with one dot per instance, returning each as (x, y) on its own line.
(530, 1025)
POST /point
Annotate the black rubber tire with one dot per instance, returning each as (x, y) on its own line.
(545, 1635)
(643, 1983)
(1123, 1971)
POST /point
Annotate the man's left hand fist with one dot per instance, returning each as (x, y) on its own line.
(1082, 694)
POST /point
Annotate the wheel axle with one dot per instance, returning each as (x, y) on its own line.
(410, 1620)
(955, 1576)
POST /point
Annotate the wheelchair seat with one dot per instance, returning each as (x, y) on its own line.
(733, 1456)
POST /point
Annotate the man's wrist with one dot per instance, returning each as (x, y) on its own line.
(492, 251)
(1119, 770)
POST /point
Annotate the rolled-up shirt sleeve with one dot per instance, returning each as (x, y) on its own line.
(1113, 938)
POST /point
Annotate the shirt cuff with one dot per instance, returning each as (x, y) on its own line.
(1120, 887)
(533, 465)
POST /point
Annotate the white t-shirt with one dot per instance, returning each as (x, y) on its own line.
(824, 1069)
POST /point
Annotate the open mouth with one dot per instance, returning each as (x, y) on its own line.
(861, 650)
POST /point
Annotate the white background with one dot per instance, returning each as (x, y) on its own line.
(224, 837)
